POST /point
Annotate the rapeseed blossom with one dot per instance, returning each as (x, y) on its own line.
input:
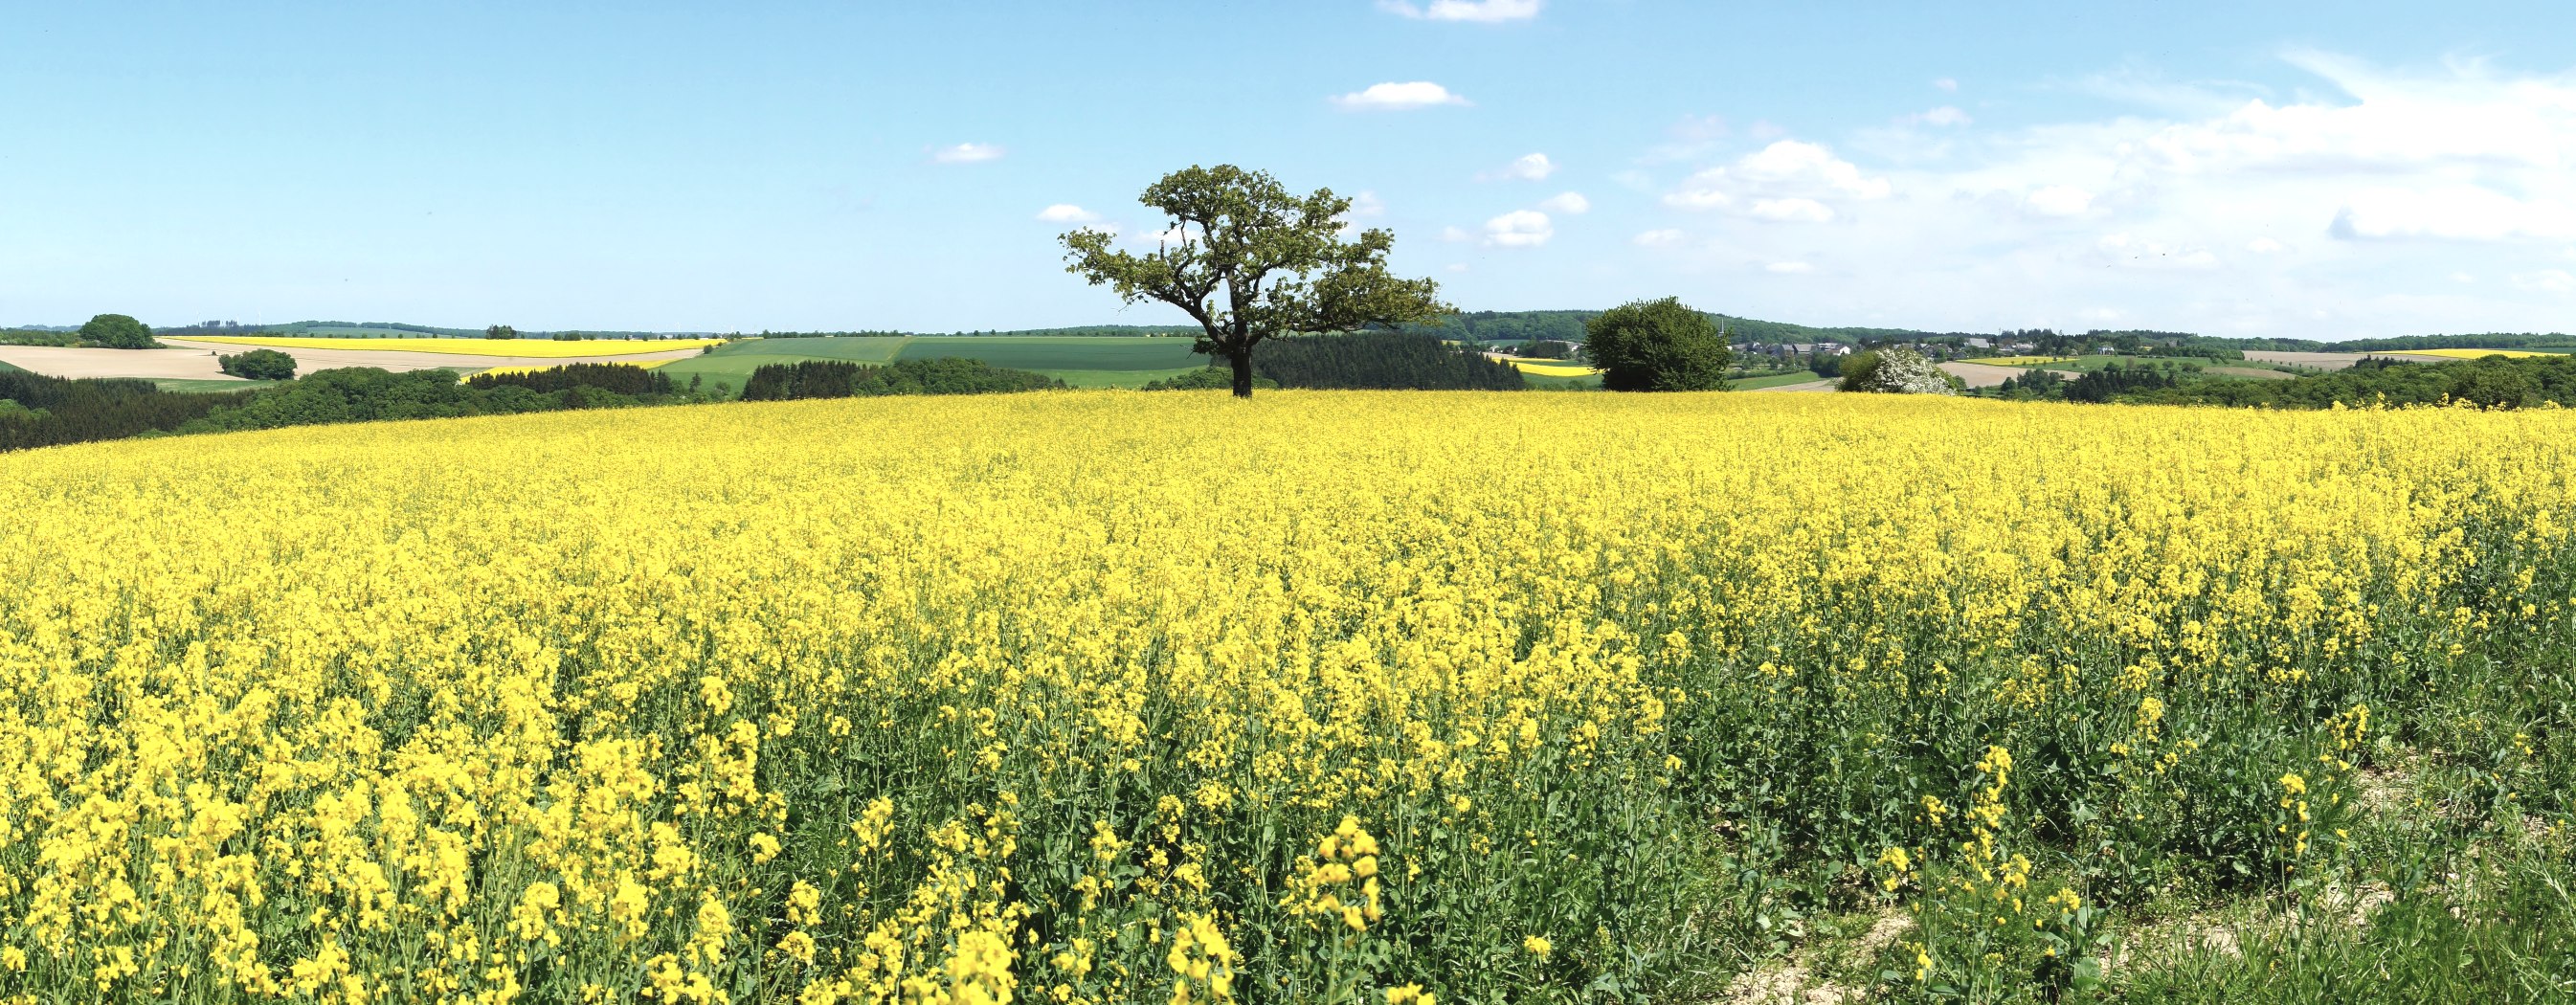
(1108, 697)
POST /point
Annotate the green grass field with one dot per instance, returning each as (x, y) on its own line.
(209, 386)
(1542, 382)
(1107, 361)
(6, 368)
(1775, 380)
(732, 364)
(1049, 354)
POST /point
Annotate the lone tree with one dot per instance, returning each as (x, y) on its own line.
(116, 331)
(1282, 263)
(1657, 345)
(500, 331)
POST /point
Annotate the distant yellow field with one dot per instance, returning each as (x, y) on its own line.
(2021, 360)
(512, 348)
(2475, 353)
(1553, 368)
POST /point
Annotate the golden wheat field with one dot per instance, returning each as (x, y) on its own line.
(1112, 697)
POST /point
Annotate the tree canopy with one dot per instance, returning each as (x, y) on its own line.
(1658, 345)
(117, 331)
(1249, 261)
(259, 364)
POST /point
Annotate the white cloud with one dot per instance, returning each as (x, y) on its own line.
(2545, 281)
(1065, 212)
(1520, 228)
(1394, 97)
(1367, 204)
(1527, 167)
(1481, 11)
(1457, 266)
(2457, 213)
(1456, 235)
(1699, 194)
(967, 153)
(2381, 184)
(2463, 277)
(1789, 268)
(1787, 180)
(1946, 84)
(1568, 203)
(2396, 122)
(1795, 163)
(1792, 210)
(1156, 238)
(2059, 200)
(1946, 115)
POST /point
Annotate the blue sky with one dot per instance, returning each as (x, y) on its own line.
(2312, 170)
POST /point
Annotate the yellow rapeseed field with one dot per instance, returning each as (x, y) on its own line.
(514, 348)
(1553, 368)
(1110, 697)
(2473, 353)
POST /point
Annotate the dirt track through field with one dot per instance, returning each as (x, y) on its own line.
(2320, 360)
(309, 360)
(1982, 374)
(1812, 385)
(58, 361)
(193, 360)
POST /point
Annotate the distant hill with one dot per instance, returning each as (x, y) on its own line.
(1567, 326)
(1476, 326)
(390, 329)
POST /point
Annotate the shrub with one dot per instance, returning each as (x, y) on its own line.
(260, 364)
(117, 331)
(1206, 379)
(1894, 370)
(1658, 345)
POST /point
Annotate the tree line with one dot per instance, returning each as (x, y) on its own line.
(831, 378)
(1380, 360)
(2489, 382)
(41, 411)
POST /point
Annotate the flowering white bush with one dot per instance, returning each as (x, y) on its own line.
(1904, 371)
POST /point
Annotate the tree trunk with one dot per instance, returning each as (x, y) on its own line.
(1242, 372)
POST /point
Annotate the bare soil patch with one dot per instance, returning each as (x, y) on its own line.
(2250, 373)
(309, 360)
(1812, 385)
(1981, 374)
(59, 361)
(2320, 360)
